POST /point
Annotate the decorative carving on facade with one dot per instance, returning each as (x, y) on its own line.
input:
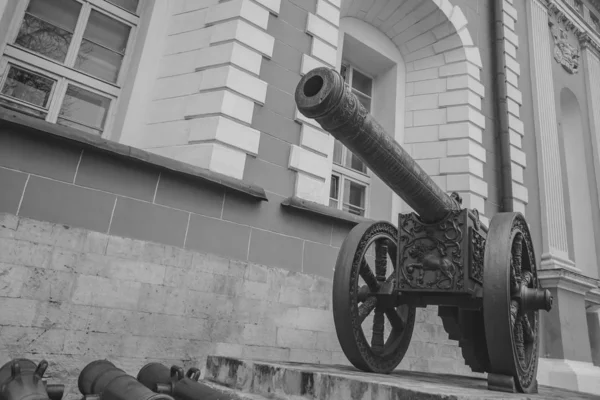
(586, 36)
(565, 53)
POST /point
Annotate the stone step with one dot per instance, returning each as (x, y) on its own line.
(287, 381)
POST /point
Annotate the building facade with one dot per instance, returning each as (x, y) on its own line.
(164, 199)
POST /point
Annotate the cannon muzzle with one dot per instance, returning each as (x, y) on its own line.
(21, 379)
(322, 95)
(161, 379)
(101, 380)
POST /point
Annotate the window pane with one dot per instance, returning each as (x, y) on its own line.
(22, 108)
(60, 13)
(84, 110)
(338, 149)
(353, 162)
(361, 82)
(129, 5)
(47, 27)
(354, 197)
(27, 86)
(334, 188)
(365, 101)
(102, 47)
(98, 61)
(107, 32)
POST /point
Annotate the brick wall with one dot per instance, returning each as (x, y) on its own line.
(72, 295)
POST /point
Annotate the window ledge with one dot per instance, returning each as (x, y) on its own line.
(316, 208)
(86, 140)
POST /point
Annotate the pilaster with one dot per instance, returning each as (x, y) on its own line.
(312, 159)
(203, 101)
(591, 66)
(592, 308)
(554, 230)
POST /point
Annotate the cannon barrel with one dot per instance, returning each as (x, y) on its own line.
(21, 379)
(101, 380)
(322, 95)
(161, 379)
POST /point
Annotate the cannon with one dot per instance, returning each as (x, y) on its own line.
(160, 379)
(21, 379)
(483, 280)
(102, 380)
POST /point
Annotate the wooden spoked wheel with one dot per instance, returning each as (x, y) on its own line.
(512, 298)
(373, 334)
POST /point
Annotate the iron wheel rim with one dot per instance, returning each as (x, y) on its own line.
(510, 352)
(347, 305)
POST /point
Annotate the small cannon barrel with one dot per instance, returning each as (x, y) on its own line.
(322, 95)
(101, 380)
(21, 379)
(161, 379)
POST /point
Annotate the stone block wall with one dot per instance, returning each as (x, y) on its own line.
(107, 253)
(72, 295)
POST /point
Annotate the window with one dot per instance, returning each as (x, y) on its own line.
(352, 197)
(350, 180)
(66, 60)
(595, 22)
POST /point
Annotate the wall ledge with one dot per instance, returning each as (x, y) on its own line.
(36, 126)
(319, 209)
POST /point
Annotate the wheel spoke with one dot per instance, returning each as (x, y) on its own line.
(517, 253)
(395, 319)
(367, 274)
(528, 334)
(366, 308)
(378, 332)
(392, 253)
(381, 251)
(514, 312)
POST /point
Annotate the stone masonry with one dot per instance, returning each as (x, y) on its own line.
(72, 296)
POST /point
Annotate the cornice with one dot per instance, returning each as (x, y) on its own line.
(567, 280)
(588, 38)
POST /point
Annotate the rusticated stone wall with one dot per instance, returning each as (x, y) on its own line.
(72, 296)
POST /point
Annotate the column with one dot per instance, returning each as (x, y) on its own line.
(591, 68)
(554, 230)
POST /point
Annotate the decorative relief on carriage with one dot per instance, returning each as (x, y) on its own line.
(477, 252)
(431, 256)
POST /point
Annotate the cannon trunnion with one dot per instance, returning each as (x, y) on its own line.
(483, 280)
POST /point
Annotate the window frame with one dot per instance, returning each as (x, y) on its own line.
(342, 178)
(345, 173)
(65, 72)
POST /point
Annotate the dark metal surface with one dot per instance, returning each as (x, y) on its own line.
(161, 379)
(512, 298)
(354, 302)
(102, 380)
(22, 379)
(432, 255)
(466, 327)
(485, 281)
(321, 94)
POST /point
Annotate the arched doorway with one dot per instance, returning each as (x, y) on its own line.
(577, 186)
